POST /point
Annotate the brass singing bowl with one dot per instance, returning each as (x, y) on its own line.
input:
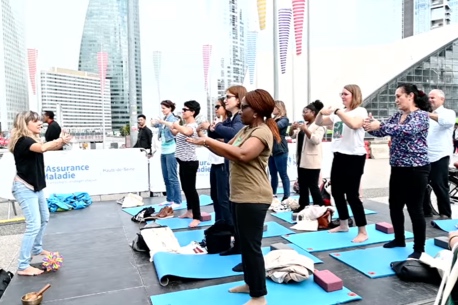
(32, 299)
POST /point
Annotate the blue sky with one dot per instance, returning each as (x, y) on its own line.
(179, 28)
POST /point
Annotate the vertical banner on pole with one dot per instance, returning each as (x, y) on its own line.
(298, 16)
(206, 52)
(157, 60)
(252, 39)
(262, 14)
(284, 23)
(32, 55)
(102, 64)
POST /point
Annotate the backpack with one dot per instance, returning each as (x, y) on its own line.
(5, 279)
(325, 189)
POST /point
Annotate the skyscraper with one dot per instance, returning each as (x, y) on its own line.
(105, 29)
(13, 70)
(232, 45)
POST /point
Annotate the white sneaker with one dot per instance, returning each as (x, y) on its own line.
(165, 203)
(175, 205)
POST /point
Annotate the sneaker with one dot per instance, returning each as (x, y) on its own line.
(165, 203)
(175, 205)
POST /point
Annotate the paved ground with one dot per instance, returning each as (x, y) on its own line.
(375, 191)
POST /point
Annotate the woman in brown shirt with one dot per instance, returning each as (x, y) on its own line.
(249, 153)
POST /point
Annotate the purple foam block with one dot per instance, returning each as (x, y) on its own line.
(327, 280)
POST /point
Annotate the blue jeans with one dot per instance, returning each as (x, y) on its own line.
(279, 165)
(36, 213)
(169, 173)
(219, 192)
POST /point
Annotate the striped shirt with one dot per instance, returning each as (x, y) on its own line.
(186, 151)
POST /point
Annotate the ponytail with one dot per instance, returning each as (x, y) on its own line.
(274, 128)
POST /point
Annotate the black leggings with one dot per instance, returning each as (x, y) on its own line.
(188, 173)
(346, 175)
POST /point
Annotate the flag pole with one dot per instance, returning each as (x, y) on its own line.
(308, 54)
(275, 51)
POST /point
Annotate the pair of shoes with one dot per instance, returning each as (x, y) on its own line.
(165, 212)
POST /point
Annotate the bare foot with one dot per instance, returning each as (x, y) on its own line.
(240, 289)
(194, 223)
(361, 237)
(45, 252)
(188, 214)
(339, 229)
(30, 271)
(257, 301)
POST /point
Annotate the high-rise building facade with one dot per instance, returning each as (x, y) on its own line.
(13, 67)
(420, 16)
(105, 29)
(79, 98)
(232, 45)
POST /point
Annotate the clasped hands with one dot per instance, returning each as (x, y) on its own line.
(371, 124)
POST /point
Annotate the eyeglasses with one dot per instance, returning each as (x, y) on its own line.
(228, 97)
(186, 109)
(245, 106)
(217, 107)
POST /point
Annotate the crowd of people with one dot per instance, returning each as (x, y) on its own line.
(247, 143)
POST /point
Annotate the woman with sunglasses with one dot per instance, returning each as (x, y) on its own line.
(28, 185)
(249, 153)
(186, 156)
(226, 130)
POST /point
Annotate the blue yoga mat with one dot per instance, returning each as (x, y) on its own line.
(287, 216)
(324, 241)
(273, 229)
(183, 223)
(190, 266)
(447, 225)
(306, 292)
(375, 262)
(204, 200)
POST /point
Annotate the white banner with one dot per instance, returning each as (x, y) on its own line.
(97, 172)
(203, 173)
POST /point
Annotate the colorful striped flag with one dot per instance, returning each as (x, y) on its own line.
(206, 52)
(298, 15)
(252, 39)
(102, 64)
(284, 23)
(32, 55)
(262, 14)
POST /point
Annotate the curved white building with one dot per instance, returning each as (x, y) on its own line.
(430, 60)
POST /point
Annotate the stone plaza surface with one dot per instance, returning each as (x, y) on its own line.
(100, 267)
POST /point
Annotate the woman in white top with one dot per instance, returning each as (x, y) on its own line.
(309, 154)
(187, 159)
(349, 157)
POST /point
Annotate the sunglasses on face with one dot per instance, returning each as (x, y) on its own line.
(229, 97)
(217, 107)
(186, 109)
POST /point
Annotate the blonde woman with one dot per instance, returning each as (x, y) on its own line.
(349, 157)
(278, 161)
(29, 183)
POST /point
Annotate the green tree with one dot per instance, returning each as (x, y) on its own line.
(125, 131)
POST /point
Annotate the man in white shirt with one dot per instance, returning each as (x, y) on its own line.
(441, 123)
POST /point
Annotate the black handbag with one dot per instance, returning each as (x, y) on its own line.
(413, 270)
